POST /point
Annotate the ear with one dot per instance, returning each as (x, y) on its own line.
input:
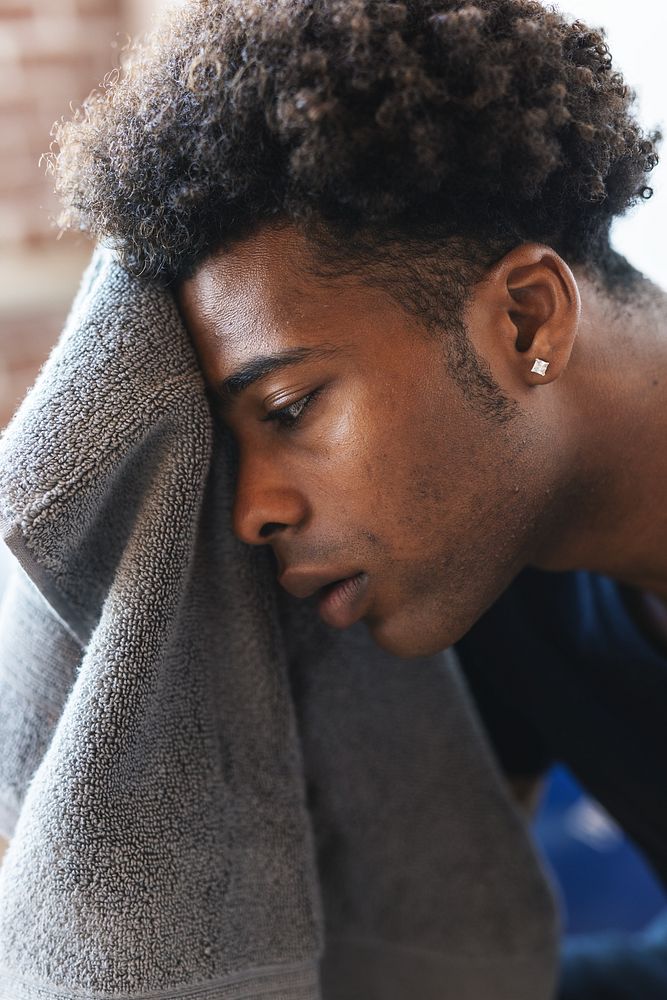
(529, 307)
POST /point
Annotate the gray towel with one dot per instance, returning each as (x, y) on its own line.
(210, 794)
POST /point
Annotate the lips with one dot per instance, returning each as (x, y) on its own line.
(341, 595)
(302, 584)
(343, 603)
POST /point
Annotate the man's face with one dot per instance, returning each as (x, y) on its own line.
(359, 458)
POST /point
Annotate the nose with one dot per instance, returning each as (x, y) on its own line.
(266, 503)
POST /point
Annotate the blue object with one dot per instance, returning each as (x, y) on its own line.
(605, 884)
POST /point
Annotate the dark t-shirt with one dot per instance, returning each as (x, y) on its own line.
(561, 672)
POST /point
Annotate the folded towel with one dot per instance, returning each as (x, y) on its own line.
(210, 793)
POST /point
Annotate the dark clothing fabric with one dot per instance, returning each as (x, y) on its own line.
(561, 671)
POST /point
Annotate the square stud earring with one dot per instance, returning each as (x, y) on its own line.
(540, 367)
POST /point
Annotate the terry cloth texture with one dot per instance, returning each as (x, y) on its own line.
(210, 794)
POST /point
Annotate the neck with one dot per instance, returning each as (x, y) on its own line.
(611, 516)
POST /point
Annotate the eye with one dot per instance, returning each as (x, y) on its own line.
(289, 416)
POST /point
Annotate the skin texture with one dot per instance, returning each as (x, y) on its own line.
(391, 471)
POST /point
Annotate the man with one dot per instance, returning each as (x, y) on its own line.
(387, 227)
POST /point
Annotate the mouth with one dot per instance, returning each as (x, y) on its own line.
(341, 603)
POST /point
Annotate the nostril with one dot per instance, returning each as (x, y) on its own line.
(270, 528)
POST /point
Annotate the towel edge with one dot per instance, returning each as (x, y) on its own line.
(294, 981)
(15, 540)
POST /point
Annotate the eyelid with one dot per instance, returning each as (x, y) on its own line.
(280, 416)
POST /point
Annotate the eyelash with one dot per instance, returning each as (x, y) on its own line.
(283, 417)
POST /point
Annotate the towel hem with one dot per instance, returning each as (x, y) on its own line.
(15, 540)
(298, 981)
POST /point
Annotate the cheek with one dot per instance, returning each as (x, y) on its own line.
(349, 462)
(420, 468)
(446, 491)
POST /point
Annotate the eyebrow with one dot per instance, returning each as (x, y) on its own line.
(263, 365)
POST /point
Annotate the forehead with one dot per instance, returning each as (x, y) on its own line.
(260, 296)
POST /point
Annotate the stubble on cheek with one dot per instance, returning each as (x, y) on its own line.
(441, 532)
(459, 542)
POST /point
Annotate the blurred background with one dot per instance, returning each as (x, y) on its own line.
(52, 53)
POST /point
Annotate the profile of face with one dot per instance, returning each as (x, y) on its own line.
(377, 483)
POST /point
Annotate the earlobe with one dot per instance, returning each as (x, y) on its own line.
(544, 306)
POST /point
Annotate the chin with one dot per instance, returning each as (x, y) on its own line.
(422, 624)
(404, 640)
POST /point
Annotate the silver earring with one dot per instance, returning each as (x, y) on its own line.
(540, 367)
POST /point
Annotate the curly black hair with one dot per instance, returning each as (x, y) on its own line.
(432, 135)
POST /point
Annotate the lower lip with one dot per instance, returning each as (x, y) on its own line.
(342, 605)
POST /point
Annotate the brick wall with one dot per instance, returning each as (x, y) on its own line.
(52, 52)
